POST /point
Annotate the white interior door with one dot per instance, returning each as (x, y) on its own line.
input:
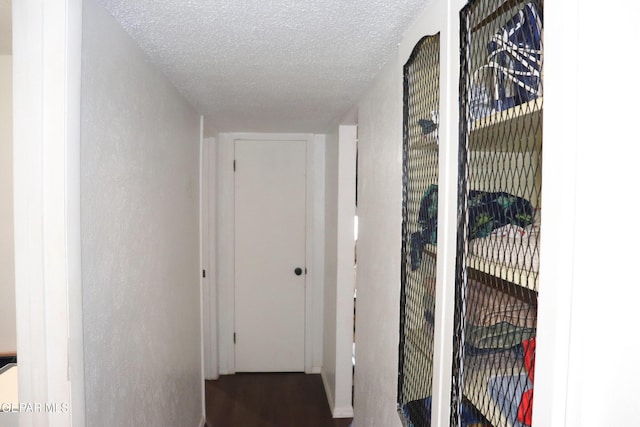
(270, 193)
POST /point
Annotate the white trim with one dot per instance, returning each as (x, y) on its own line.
(225, 247)
(47, 74)
(309, 268)
(203, 228)
(203, 422)
(225, 223)
(343, 412)
(560, 136)
(209, 327)
(213, 266)
(449, 15)
(327, 391)
(317, 173)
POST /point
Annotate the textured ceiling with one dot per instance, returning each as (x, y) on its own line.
(268, 65)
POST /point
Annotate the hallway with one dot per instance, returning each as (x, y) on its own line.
(269, 400)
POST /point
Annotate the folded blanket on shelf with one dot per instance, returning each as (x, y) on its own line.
(488, 339)
(494, 319)
(511, 246)
(488, 211)
(486, 306)
(491, 210)
(496, 337)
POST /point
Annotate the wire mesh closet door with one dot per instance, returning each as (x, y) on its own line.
(498, 213)
(419, 231)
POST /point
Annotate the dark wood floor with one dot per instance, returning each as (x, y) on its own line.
(269, 400)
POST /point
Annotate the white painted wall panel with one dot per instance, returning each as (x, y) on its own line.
(347, 136)
(602, 361)
(7, 279)
(140, 237)
(339, 271)
(330, 265)
(380, 220)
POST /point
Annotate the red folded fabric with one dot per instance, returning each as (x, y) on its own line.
(526, 403)
(525, 408)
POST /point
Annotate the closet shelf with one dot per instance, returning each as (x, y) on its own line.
(425, 142)
(521, 277)
(516, 276)
(431, 250)
(504, 130)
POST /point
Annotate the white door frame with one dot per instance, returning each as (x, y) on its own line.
(225, 223)
(208, 258)
(46, 73)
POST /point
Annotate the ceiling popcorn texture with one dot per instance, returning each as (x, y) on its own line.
(268, 65)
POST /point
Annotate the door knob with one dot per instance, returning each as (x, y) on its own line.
(298, 271)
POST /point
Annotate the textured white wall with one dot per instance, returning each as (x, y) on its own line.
(141, 294)
(7, 279)
(379, 232)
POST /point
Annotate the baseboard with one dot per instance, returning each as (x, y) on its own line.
(336, 411)
(343, 412)
(327, 391)
(316, 370)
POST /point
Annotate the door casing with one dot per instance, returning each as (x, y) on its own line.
(224, 245)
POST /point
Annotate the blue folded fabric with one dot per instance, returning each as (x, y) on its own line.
(506, 391)
(515, 53)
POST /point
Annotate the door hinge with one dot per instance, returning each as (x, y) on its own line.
(234, 337)
(234, 165)
(204, 273)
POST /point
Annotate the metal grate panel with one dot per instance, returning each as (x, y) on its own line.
(499, 208)
(419, 231)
